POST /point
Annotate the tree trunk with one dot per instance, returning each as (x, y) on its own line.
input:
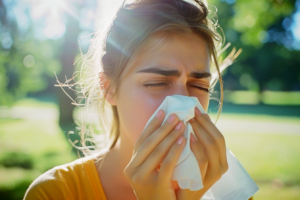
(68, 53)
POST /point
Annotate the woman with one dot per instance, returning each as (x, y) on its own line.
(153, 49)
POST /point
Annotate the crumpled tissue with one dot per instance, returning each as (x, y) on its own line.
(235, 184)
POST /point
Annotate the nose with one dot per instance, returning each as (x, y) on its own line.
(181, 89)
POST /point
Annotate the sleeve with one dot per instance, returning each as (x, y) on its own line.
(47, 187)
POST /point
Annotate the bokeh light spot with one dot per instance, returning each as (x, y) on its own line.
(250, 21)
(6, 41)
(29, 61)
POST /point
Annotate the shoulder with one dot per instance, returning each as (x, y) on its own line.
(60, 182)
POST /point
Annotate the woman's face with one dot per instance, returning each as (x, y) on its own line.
(161, 68)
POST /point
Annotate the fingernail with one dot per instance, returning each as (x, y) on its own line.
(193, 139)
(180, 139)
(197, 111)
(159, 114)
(178, 126)
(171, 118)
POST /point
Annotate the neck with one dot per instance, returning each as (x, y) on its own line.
(115, 161)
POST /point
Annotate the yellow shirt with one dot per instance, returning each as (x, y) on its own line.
(77, 180)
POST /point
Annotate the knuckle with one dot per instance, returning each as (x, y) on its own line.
(167, 161)
(197, 147)
(225, 168)
(128, 172)
(166, 127)
(174, 135)
(197, 144)
(158, 151)
(218, 177)
(137, 179)
(199, 152)
(221, 138)
(218, 174)
(202, 117)
(150, 140)
(211, 143)
(125, 171)
(174, 149)
(203, 160)
(167, 124)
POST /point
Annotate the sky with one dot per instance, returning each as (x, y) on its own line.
(296, 22)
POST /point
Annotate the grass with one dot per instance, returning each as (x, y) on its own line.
(27, 149)
(277, 192)
(271, 157)
(267, 97)
(268, 157)
(270, 153)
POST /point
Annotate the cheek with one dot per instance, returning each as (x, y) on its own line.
(204, 102)
(135, 110)
(137, 105)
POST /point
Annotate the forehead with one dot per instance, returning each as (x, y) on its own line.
(182, 52)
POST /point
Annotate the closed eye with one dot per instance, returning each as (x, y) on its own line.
(164, 84)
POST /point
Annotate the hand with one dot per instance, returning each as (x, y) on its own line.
(156, 145)
(210, 151)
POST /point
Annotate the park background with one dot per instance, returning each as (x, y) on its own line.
(261, 114)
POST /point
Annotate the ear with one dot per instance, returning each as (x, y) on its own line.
(104, 82)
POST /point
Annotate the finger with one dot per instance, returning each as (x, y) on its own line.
(198, 151)
(160, 152)
(153, 125)
(153, 140)
(168, 164)
(210, 147)
(218, 137)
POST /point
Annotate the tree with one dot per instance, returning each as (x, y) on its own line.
(270, 55)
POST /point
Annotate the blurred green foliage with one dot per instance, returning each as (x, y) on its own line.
(22, 73)
(26, 63)
(253, 18)
(263, 29)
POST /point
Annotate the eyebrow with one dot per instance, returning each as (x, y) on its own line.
(176, 73)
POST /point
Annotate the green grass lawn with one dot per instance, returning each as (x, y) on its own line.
(29, 147)
(272, 158)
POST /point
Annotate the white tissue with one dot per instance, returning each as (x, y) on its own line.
(235, 184)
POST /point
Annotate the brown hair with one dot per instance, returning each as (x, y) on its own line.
(132, 26)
